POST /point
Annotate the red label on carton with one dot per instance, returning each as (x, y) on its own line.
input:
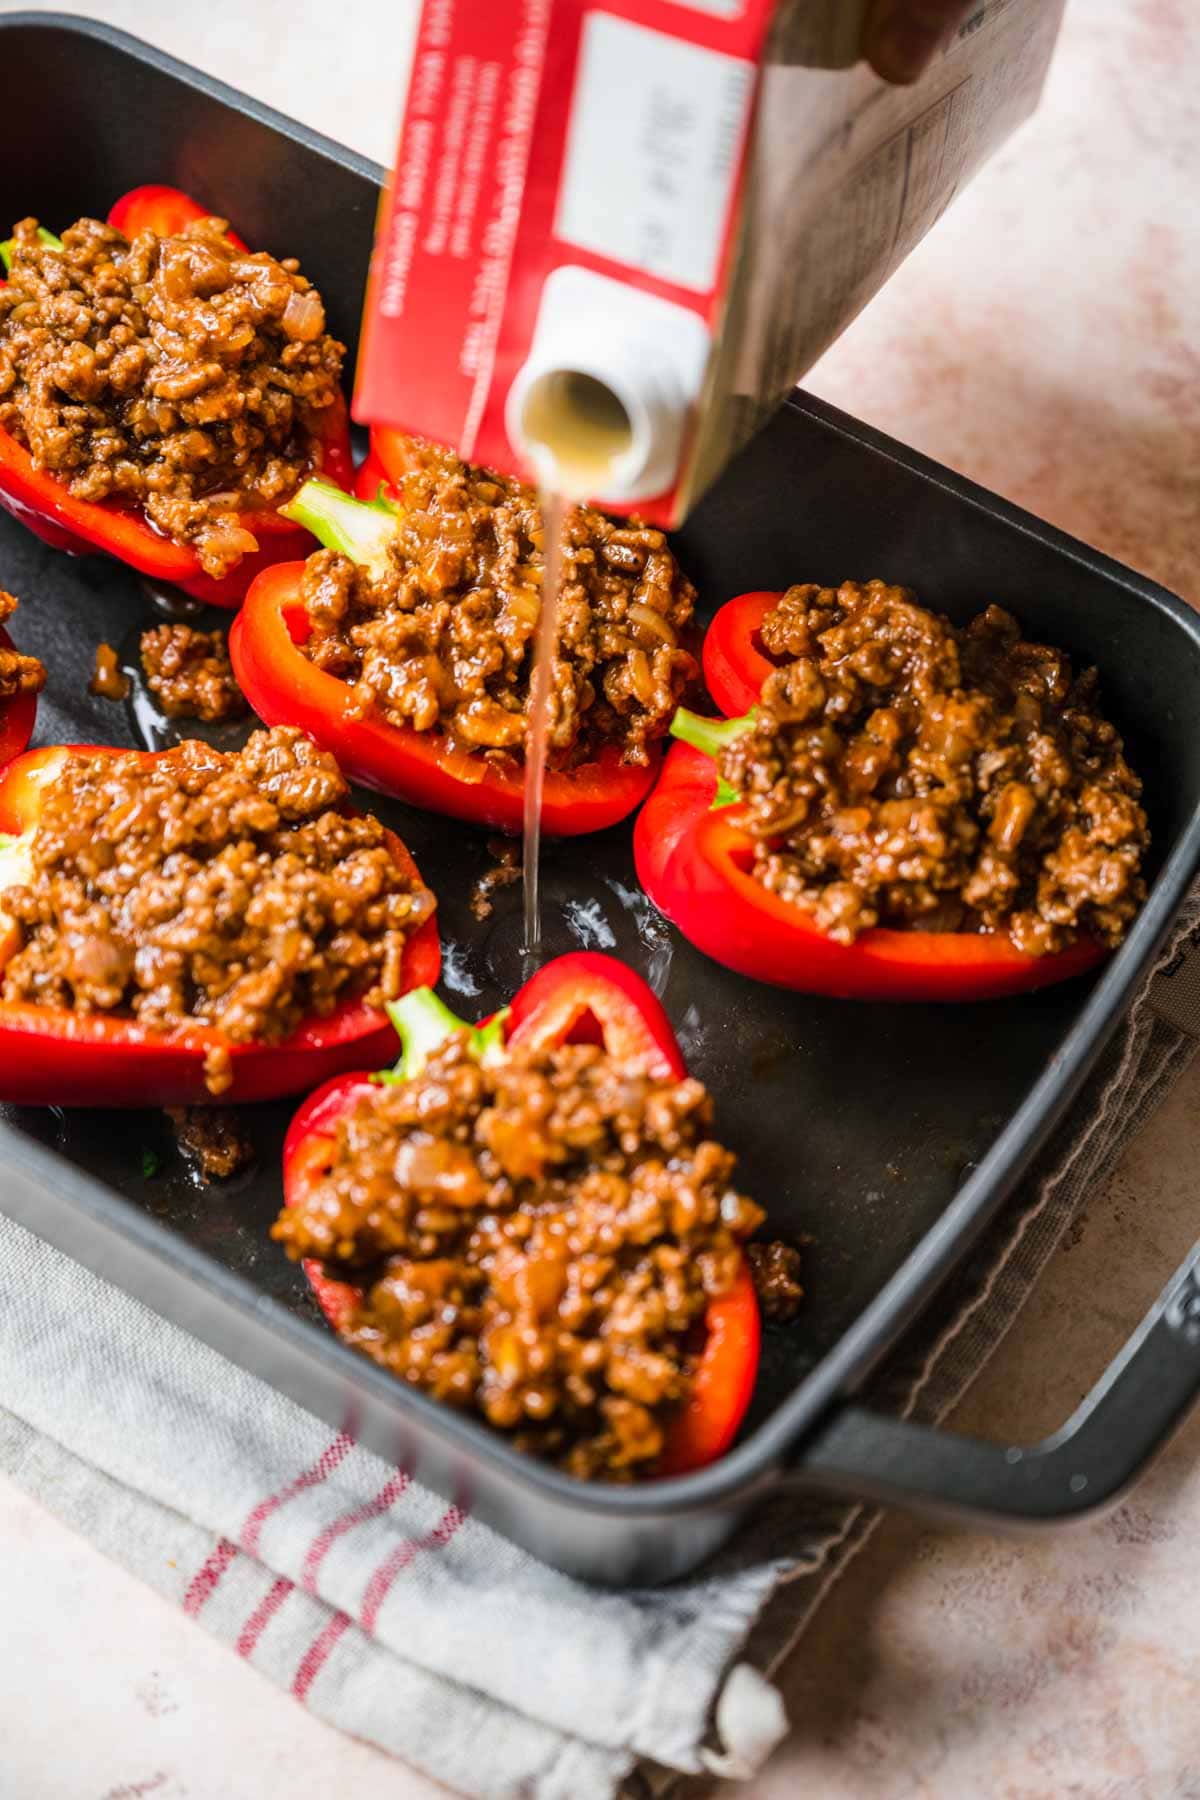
(538, 134)
(718, 184)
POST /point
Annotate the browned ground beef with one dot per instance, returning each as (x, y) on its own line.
(445, 642)
(213, 1138)
(19, 674)
(536, 1239)
(227, 889)
(776, 1271)
(906, 772)
(506, 869)
(190, 673)
(177, 374)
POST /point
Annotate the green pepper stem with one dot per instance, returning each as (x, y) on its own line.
(363, 530)
(423, 1022)
(16, 861)
(9, 245)
(711, 737)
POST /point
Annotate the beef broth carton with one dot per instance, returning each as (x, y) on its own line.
(617, 234)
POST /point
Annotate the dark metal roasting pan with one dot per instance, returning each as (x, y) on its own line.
(890, 1135)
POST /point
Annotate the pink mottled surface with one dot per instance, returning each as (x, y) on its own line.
(954, 1666)
(1046, 340)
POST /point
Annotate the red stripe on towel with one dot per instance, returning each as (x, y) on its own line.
(358, 1515)
(324, 1466)
(314, 1658)
(262, 1615)
(402, 1557)
(207, 1576)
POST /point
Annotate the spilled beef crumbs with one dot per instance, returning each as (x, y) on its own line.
(534, 1238)
(906, 772)
(444, 641)
(214, 1139)
(177, 374)
(228, 890)
(775, 1267)
(505, 869)
(190, 674)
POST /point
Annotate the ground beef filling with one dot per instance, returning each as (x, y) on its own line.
(775, 1268)
(214, 1139)
(538, 1240)
(227, 890)
(176, 374)
(905, 772)
(19, 674)
(190, 674)
(445, 641)
(505, 871)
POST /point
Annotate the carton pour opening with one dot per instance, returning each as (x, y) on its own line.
(577, 430)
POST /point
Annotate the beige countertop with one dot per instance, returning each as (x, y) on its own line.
(1045, 340)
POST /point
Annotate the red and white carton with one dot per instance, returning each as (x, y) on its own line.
(685, 200)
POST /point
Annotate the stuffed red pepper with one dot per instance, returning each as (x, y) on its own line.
(162, 391)
(188, 925)
(22, 679)
(911, 811)
(530, 1219)
(406, 645)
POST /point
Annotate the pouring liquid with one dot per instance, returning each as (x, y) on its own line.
(582, 430)
(554, 509)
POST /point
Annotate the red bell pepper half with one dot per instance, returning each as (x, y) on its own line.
(371, 481)
(51, 1056)
(285, 688)
(696, 863)
(392, 451)
(735, 663)
(582, 998)
(39, 500)
(163, 210)
(17, 716)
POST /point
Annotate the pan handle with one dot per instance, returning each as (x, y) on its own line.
(1133, 1408)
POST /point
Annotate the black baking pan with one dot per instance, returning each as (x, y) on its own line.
(889, 1135)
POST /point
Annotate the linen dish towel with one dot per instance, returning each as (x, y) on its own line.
(389, 1613)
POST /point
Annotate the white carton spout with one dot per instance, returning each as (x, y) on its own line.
(604, 402)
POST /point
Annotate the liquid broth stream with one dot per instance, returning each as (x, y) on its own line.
(583, 430)
(541, 686)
